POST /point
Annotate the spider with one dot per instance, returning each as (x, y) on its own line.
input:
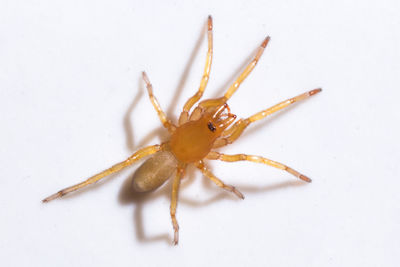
(193, 139)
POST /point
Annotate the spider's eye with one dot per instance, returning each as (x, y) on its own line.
(211, 127)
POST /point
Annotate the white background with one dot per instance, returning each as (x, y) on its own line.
(72, 103)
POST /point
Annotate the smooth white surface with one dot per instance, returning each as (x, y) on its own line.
(72, 104)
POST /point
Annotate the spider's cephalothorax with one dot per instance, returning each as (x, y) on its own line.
(194, 138)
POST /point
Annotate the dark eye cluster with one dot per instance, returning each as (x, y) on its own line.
(211, 127)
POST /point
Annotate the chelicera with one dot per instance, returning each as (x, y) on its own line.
(208, 126)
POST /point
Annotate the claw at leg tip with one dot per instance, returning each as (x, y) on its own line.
(265, 42)
(305, 178)
(315, 91)
(50, 198)
(176, 239)
(210, 23)
(145, 78)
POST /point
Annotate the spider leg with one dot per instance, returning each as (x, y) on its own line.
(201, 166)
(211, 103)
(233, 133)
(117, 167)
(163, 118)
(232, 89)
(257, 159)
(204, 80)
(174, 202)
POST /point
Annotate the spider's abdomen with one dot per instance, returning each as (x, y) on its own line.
(192, 141)
(154, 172)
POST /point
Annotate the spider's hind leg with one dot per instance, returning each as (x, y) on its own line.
(117, 167)
(174, 201)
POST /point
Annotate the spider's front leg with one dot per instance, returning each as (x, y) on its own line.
(204, 80)
(234, 132)
(174, 201)
(210, 103)
(163, 118)
(232, 89)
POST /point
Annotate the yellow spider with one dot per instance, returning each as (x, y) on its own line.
(194, 138)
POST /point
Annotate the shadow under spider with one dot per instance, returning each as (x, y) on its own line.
(127, 196)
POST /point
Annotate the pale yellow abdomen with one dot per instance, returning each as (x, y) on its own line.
(154, 172)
